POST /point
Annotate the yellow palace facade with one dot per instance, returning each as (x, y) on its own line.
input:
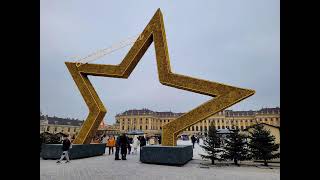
(151, 122)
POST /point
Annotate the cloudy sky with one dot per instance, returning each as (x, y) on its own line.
(229, 41)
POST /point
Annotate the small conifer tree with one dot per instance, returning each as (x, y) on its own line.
(211, 145)
(262, 144)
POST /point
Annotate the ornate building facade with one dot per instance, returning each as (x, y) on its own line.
(56, 125)
(151, 122)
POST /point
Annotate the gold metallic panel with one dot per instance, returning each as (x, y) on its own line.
(224, 95)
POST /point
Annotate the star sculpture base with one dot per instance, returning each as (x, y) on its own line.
(166, 155)
(54, 151)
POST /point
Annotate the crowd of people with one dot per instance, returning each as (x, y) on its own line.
(116, 145)
(124, 144)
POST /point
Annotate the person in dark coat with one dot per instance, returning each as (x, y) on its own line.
(142, 141)
(117, 148)
(159, 139)
(129, 145)
(193, 140)
(65, 149)
(124, 142)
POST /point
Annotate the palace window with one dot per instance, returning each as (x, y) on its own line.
(196, 128)
(140, 127)
(222, 127)
(222, 120)
(74, 130)
(68, 129)
(160, 128)
(218, 127)
(192, 128)
(200, 128)
(146, 127)
(205, 128)
(122, 127)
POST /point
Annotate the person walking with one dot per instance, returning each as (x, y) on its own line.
(111, 144)
(65, 149)
(135, 144)
(193, 140)
(117, 148)
(124, 142)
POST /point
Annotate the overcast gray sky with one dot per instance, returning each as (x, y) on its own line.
(228, 41)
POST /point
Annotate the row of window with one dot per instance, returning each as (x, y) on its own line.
(258, 119)
(56, 128)
(195, 128)
(134, 128)
(147, 121)
(152, 127)
(192, 128)
(211, 120)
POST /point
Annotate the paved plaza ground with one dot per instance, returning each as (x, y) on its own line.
(105, 167)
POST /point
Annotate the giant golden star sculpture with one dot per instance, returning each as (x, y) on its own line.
(224, 95)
